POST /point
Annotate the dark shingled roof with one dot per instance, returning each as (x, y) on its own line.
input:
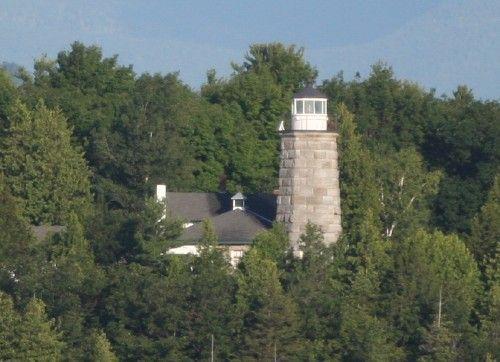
(44, 231)
(262, 204)
(232, 227)
(309, 92)
(197, 206)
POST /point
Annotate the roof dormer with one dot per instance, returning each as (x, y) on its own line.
(238, 201)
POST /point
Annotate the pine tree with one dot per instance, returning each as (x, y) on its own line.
(485, 235)
(38, 338)
(9, 326)
(359, 191)
(312, 286)
(211, 312)
(100, 349)
(269, 316)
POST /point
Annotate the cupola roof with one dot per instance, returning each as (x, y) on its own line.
(309, 92)
(238, 196)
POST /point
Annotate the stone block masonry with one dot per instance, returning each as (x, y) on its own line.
(309, 183)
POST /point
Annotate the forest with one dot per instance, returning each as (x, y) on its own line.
(84, 140)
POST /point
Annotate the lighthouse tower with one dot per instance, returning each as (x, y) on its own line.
(309, 177)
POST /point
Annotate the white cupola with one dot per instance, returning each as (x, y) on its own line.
(309, 112)
(238, 201)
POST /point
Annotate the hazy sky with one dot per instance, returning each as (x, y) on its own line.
(439, 44)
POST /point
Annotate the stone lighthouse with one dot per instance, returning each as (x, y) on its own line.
(309, 177)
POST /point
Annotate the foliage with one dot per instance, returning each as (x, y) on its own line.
(101, 350)
(29, 335)
(42, 168)
(269, 316)
(399, 284)
(432, 270)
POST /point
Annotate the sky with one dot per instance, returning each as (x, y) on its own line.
(437, 44)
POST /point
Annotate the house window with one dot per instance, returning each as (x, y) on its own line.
(238, 203)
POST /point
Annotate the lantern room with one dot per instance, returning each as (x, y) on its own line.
(309, 110)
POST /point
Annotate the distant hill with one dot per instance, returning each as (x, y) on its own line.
(13, 69)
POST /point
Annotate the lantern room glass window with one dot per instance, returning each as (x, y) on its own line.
(299, 107)
(318, 107)
(310, 107)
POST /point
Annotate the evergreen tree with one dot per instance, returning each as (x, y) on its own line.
(28, 336)
(485, 235)
(9, 326)
(315, 289)
(363, 335)
(359, 191)
(100, 350)
(211, 307)
(38, 339)
(145, 309)
(64, 275)
(269, 316)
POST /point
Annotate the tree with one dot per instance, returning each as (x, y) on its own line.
(485, 234)
(15, 238)
(38, 337)
(144, 309)
(286, 64)
(101, 350)
(9, 325)
(440, 344)
(462, 135)
(89, 88)
(63, 274)
(365, 331)
(273, 244)
(313, 282)
(41, 167)
(388, 111)
(27, 336)
(155, 230)
(434, 275)
(258, 95)
(359, 191)
(405, 189)
(269, 316)
(8, 93)
(363, 335)
(211, 309)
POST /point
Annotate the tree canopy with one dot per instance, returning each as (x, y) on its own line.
(84, 140)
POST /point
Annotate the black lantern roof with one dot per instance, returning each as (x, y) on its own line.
(309, 92)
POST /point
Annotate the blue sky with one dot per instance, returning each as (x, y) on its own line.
(438, 44)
